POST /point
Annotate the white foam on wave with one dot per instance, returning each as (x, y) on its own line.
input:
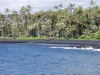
(76, 48)
(55, 44)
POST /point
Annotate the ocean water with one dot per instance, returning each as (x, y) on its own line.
(48, 59)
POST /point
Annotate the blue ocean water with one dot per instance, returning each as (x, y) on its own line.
(48, 59)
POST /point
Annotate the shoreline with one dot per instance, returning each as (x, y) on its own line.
(83, 43)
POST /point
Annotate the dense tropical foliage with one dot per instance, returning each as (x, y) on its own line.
(60, 22)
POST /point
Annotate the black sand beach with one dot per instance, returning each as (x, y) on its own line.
(83, 43)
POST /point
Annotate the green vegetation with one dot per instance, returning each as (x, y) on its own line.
(62, 23)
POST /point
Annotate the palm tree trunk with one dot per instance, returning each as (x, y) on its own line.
(2, 32)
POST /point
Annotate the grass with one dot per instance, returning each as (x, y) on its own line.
(2, 37)
(30, 38)
(62, 38)
(44, 37)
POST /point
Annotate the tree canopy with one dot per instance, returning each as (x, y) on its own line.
(66, 22)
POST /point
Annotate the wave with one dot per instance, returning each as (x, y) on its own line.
(57, 44)
(76, 48)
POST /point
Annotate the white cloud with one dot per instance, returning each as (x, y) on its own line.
(40, 4)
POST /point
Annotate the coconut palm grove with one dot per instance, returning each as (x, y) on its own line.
(68, 22)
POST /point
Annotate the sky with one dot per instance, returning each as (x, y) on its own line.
(38, 5)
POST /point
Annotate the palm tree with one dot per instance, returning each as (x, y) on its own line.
(44, 30)
(60, 5)
(94, 28)
(87, 32)
(28, 9)
(62, 29)
(2, 23)
(92, 3)
(7, 19)
(7, 10)
(22, 12)
(59, 26)
(48, 23)
(41, 13)
(79, 10)
(50, 15)
(15, 16)
(56, 7)
(71, 7)
(23, 18)
(36, 26)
